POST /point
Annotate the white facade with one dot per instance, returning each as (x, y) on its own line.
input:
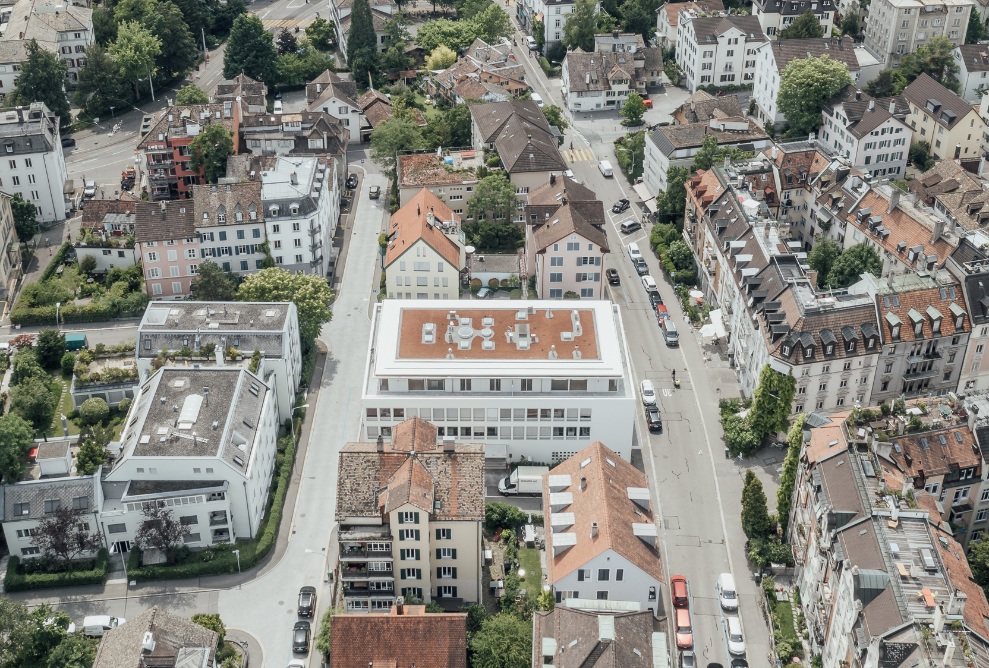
(457, 364)
(777, 15)
(596, 580)
(572, 264)
(108, 258)
(897, 27)
(728, 61)
(422, 273)
(33, 164)
(882, 151)
(973, 71)
(554, 13)
(62, 28)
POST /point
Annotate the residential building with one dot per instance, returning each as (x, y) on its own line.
(871, 133)
(336, 96)
(488, 72)
(523, 378)
(924, 329)
(551, 14)
(107, 251)
(969, 264)
(409, 517)
(984, 115)
(168, 245)
(33, 165)
(305, 133)
(565, 243)
(973, 71)
(230, 225)
(10, 261)
(976, 406)
(603, 78)
(250, 95)
(570, 636)
(200, 439)
(113, 216)
(774, 56)
(676, 145)
(802, 181)
(165, 148)
(376, 109)
(668, 18)
(776, 15)
(451, 176)
(717, 50)
(959, 197)
(422, 259)
(156, 637)
(436, 640)
(601, 537)
(950, 125)
(897, 27)
(521, 136)
(210, 329)
(62, 28)
(701, 106)
(381, 11)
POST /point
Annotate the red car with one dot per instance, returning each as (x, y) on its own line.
(661, 312)
(678, 590)
(685, 634)
(648, 103)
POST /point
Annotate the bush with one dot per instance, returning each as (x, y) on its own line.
(498, 515)
(56, 262)
(17, 580)
(94, 411)
(68, 363)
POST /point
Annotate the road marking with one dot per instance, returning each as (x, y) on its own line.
(667, 392)
(578, 155)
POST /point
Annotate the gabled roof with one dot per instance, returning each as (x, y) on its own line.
(491, 117)
(165, 220)
(434, 640)
(974, 57)
(418, 220)
(672, 137)
(242, 198)
(564, 222)
(943, 105)
(701, 106)
(787, 50)
(528, 147)
(97, 209)
(864, 112)
(959, 573)
(626, 638)
(707, 29)
(934, 453)
(174, 637)
(910, 307)
(34, 493)
(903, 227)
(244, 87)
(317, 89)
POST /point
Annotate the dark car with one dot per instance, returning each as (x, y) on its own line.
(300, 637)
(654, 299)
(613, 277)
(739, 663)
(641, 268)
(307, 602)
(653, 418)
(688, 659)
(620, 206)
(68, 141)
(351, 182)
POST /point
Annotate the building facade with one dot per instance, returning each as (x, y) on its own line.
(717, 50)
(62, 28)
(422, 260)
(776, 15)
(168, 246)
(950, 125)
(34, 166)
(871, 133)
(894, 28)
(973, 71)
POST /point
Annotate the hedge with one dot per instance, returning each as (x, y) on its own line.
(56, 262)
(17, 581)
(132, 305)
(221, 560)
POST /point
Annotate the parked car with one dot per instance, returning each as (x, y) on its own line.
(374, 192)
(620, 206)
(678, 590)
(629, 226)
(641, 268)
(648, 392)
(684, 632)
(351, 182)
(648, 103)
(97, 625)
(300, 637)
(307, 602)
(90, 189)
(727, 594)
(653, 418)
(649, 283)
(613, 277)
(569, 174)
(277, 106)
(661, 312)
(537, 98)
(655, 299)
(739, 663)
(733, 636)
(688, 659)
(67, 142)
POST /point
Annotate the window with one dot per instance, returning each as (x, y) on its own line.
(446, 591)
(619, 575)
(80, 503)
(116, 528)
(408, 554)
(602, 596)
(411, 573)
(446, 553)
(51, 506)
(444, 534)
(189, 520)
(21, 509)
(583, 574)
(408, 534)
(604, 575)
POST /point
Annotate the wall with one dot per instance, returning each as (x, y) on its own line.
(169, 269)
(568, 269)
(440, 280)
(635, 586)
(108, 258)
(466, 540)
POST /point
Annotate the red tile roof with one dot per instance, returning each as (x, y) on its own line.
(411, 223)
(934, 453)
(433, 640)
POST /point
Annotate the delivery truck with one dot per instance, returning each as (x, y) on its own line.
(524, 480)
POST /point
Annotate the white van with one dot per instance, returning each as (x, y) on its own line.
(633, 253)
(98, 625)
(670, 335)
(537, 98)
(606, 168)
(727, 595)
(531, 42)
(278, 106)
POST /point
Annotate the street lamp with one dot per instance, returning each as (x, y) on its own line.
(632, 153)
(111, 112)
(237, 552)
(58, 305)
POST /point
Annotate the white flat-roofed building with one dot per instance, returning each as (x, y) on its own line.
(537, 379)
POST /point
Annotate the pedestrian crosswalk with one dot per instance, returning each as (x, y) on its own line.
(285, 23)
(578, 155)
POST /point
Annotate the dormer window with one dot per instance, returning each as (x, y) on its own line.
(786, 351)
(273, 211)
(252, 212)
(238, 213)
(870, 344)
(829, 349)
(851, 347)
(221, 215)
(959, 316)
(808, 352)
(894, 325)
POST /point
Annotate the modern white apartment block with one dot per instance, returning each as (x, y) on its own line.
(271, 328)
(525, 378)
(552, 14)
(776, 15)
(62, 28)
(33, 165)
(10, 259)
(872, 134)
(409, 516)
(897, 27)
(717, 50)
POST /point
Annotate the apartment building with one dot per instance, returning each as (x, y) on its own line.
(772, 57)
(601, 537)
(201, 327)
(168, 245)
(523, 378)
(717, 50)
(435, 639)
(488, 72)
(422, 260)
(897, 27)
(596, 631)
(451, 176)
(157, 637)
(565, 243)
(603, 78)
(230, 225)
(33, 165)
(305, 133)
(668, 18)
(871, 133)
(969, 264)
(10, 261)
(62, 28)
(409, 516)
(776, 15)
(249, 94)
(551, 16)
(973, 71)
(957, 196)
(381, 11)
(950, 125)
(332, 94)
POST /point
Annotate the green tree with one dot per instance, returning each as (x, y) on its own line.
(639, 16)
(606, 22)
(710, 154)
(671, 204)
(738, 434)
(978, 560)
(853, 262)
(25, 218)
(132, 11)
(213, 623)
(15, 630)
(160, 530)
(504, 641)
(920, 155)
(75, 651)
(92, 451)
(680, 255)
(788, 479)
(756, 522)
(191, 94)
(87, 265)
(321, 34)
(633, 109)
(803, 27)
(295, 69)
(212, 284)
(42, 79)
(394, 136)
(94, 411)
(578, 31)
(539, 34)
(556, 52)
(554, 116)
(16, 437)
(286, 42)
(631, 152)
(851, 26)
(104, 27)
(35, 400)
(936, 59)
(198, 15)
(976, 31)
(672, 71)
(310, 294)
(249, 50)
(100, 83)
(50, 348)
(441, 58)
(806, 85)
(362, 43)
(822, 257)
(210, 150)
(68, 364)
(135, 51)
(494, 195)
(499, 515)
(225, 16)
(25, 366)
(62, 537)
(459, 119)
(456, 35)
(395, 58)
(888, 83)
(179, 52)
(469, 9)
(493, 23)
(49, 628)
(324, 636)
(504, 236)
(771, 404)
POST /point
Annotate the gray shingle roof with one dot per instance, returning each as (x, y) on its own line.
(234, 198)
(562, 223)
(34, 493)
(670, 138)
(864, 112)
(974, 56)
(122, 647)
(945, 106)
(528, 147)
(708, 28)
(787, 50)
(490, 117)
(577, 634)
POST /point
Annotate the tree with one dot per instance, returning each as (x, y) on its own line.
(75, 651)
(639, 16)
(179, 51)
(978, 560)
(539, 32)
(853, 262)
(132, 11)
(100, 84)
(16, 437)
(49, 628)
(396, 58)
(68, 364)
(631, 151)
(94, 411)
(806, 85)
(286, 42)
(42, 79)
(556, 52)
(35, 400)
(920, 155)
(362, 43)
(213, 623)
(25, 366)
(249, 50)
(756, 522)
(493, 23)
(310, 294)
(210, 150)
(578, 31)
(494, 195)
(788, 479)
(633, 109)
(976, 31)
(771, 404)
(15, 631)
(606, 22)
(504, 641)
(104, 26)
(441, 58)
(936, 58)
(25, 218)
(226, 14)
(670, 205)
(92, 451)
(198, 15)
(851, 26)
(803, 27)
(680, 255)
(160, 530)
(554, 116)
(321, 34)
(469, 9)
(394, 136)
(212, 284)
(459, 119)
(456, 35)
(191, 94)
(135, 52)
(62, 536)
(711, 154)
(87, 265)
(295, 69)
(888, 83)
(822, 257)
(50, 348)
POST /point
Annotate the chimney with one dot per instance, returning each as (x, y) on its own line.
(380, 445)
(583, 483)
(776, 153)
(400, 605)
(894, 199)
(938, 230)
(449, 445)
(872, 105)
(858, 95)
(892, 107)
(812, 276)
(294, 178)
(418, 210)
(594, 529)
(552, 179)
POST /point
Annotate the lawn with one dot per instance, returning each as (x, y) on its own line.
(429, 110)
(784, 612)
(529, 560)
(65, 407)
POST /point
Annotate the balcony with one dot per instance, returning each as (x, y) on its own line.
(352, 571)
(919, 375)
(351, 590)
(218, 518)
(221, 535)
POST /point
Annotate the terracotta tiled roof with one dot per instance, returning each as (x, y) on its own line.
(389, 640)
(953, 557)
(165, 220)
(956, 190)
(122, 647)
(595, 71)
(935, 453)
(242, 198)
(950, 108)
(415, 434)
(838, 326)
(916, 306)
(822, 438)
(410, 484)
(603, 500)
(672, 137)
(411, 224)
(902, 227)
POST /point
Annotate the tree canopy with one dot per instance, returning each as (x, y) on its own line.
(936, 58)
(503, 641)
(822, 257)
(494, 195)
(210, 150)
(457, 35)
(633, 109)
(50, 348)
(250, 50)
(179, 51)
(321, 34)
(578, 31)
(35, 400)
(63, 537)
(310, 294)
(25, 218)
(888, 83)
(806, 85)
(100, 84)
(803, 27)
(191, 94)
(42, 79)
(16, 437)
(362, 44)
(852, 263)
(756, 522)
(135, 51)
(394, 136)
(671, 204)
(441, 58)
(160, 529)
(212, 284)
(976, 31)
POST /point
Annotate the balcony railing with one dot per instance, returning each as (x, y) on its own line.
(218, 519)
(355, 572)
